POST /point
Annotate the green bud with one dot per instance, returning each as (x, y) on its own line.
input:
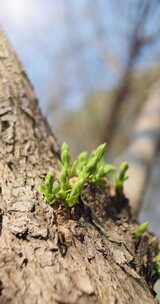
(72, 169)
(93, 161)
(100, 150)
(75, 192)
(55, 189)
(65, 155)
(62, 194)
(49, 198)
(83, 156)
(104, 170)
(91, 164)
(64, 178)
(158, 258)
(98, 177)
(141, 229)
(109, 169)
(81, 162)
(123, 168)
(43, 189)
(121, 178)
(100, 172)
(49, 180)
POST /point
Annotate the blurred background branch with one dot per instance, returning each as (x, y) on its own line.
(137, 41)
(143, 149)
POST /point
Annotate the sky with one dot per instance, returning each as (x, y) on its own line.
(56, 42)
(28, 27)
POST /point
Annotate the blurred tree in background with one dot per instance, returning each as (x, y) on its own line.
(130, 59)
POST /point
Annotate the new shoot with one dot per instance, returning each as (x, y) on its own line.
(141, 229)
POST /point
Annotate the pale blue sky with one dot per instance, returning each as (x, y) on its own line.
(56, 41)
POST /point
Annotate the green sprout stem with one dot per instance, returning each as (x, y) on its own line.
(121, 178)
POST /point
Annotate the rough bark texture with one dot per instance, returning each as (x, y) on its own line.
(91, 258)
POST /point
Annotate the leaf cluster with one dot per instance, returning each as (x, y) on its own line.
(87, 167)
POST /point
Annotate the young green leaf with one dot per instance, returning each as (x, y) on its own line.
(43, 189)
(141, 229)
(93, 161)
(75, 192)
(47, 188)
(109, 169)
(65, 155)
(49, 180)
(121, 178)
(81, 162)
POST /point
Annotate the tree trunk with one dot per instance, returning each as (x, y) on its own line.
(80, 260)
(143, 149)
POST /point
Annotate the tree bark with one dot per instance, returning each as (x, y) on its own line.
(91, 258)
